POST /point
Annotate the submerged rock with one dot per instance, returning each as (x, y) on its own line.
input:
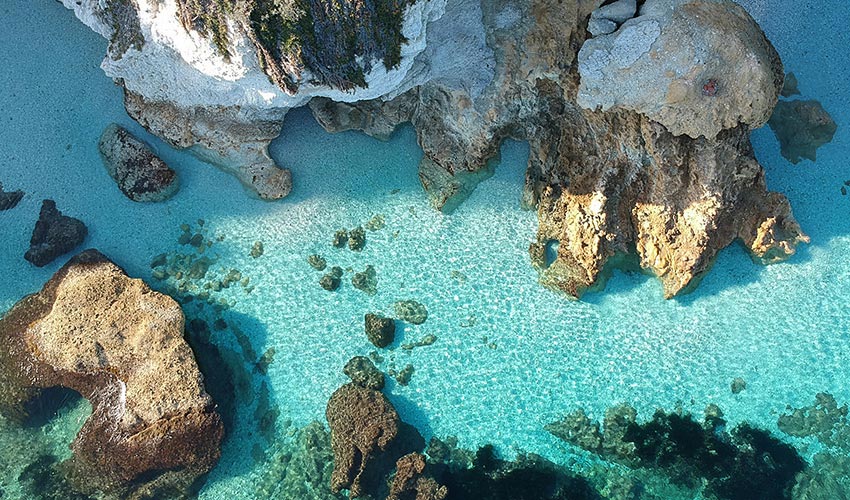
(139, 173)
(411, 311)
(9, 199)
(54, 235)
(789, 88)
(257, 249)
(363, 372)
(363, 425)
(93, 329)
(823, 419)
(379, 330)
(317, 262)
(357, 239)
(801, 128)
(329, 282)
(366, 280)
(340, 238)
(738, 385)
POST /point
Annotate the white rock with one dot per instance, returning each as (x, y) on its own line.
(598, 26)
(618, 12)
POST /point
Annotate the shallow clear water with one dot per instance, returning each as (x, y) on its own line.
(510, 356)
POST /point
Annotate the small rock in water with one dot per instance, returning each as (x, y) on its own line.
(257, 249)
(366, 281)
(184, 238)
(357, 239)
(139, 173)
(843, 191)
(337, 271)
(379, 330)
(262, 365)
(376, 223)
(9, 200)
(317, 262)
(219, 325)
(411, 311)
(738, 385)
(159, 260)
(54, 235)
(340, 238)
(789, 88)
(197, 240)
(329, 282)
(424, 341)
(363, 372)
(404, 375)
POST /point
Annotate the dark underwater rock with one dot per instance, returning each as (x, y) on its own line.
(317, 262)
(366, 281)
(94, 330)
(340, 238)
(139, 173)
(412, 481)
(54, 235)
(357, 239)
(363, 372)
(329, 282)
(9, 199)
(801, 128)
(379, 330)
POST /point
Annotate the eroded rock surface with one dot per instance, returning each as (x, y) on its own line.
(411, 481)
(139, 173)
(54, 234)
(93, 329)
(9, 199)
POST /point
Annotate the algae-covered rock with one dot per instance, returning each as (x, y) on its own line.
(54, 234)
(363, 372)
(139, 173)
(357, 239)
(317, 262)
(340, 238)
(257, 249)
(329, 282)
(379, 330)
(411, 311)
(363, 425)
(411, 481)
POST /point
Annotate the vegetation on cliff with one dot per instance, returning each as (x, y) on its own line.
(336, 41)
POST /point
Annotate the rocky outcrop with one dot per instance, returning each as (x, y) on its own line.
(139, 173)
(9, 199)
(54, 234)
(639, 139)
(665, 173)
(363, 426)
(93, 329)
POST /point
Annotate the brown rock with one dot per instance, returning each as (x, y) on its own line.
(119, 344)
(363, 425)
(411, 483)
(139, 173)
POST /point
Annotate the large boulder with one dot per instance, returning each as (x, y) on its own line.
(695, 66)
(54, 235)
(93, 329)
(141, 175)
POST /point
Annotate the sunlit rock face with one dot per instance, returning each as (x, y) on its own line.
(639, 138)
(153, 429)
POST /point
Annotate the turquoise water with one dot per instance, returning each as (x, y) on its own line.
(510, 356)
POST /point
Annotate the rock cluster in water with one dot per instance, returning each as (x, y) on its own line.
(153, 428)
(55, 234)
(139, 173)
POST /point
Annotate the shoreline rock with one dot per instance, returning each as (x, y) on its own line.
(93, 329)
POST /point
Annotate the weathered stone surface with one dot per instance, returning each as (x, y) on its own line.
(93, 329)
(379, 330)
(363, 372)
(659, 64)
(363, 425)
(618, 12)
(9, 199)
(801, 128)
(140, 174)
(411, 311)
(54, 235)
(411, 482)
